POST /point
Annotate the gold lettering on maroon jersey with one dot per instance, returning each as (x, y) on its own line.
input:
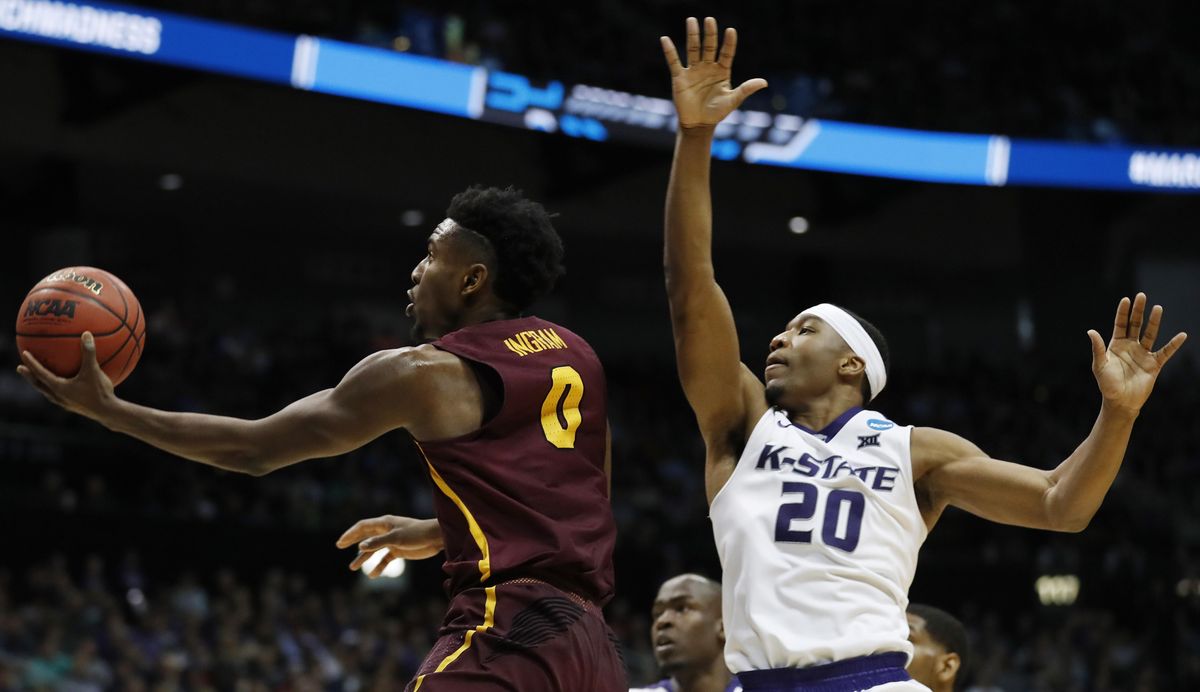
(530, 342)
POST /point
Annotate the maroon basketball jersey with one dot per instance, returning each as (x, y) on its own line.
(525, 496)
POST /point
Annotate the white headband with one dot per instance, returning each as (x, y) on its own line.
(857, 339)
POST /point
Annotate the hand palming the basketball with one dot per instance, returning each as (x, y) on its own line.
(702, 91)
(1127, 369)
(86, 393)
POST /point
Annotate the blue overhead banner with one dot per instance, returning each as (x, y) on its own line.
(884, 151)
(370, 74)
(584, 111)
(321, 65)
(1061, 164)
(151, 35)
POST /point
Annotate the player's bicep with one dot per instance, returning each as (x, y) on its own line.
(363, 406)
(957, 473)
(708, 355)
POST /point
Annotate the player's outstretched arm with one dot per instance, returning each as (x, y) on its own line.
(952, 471)
(403, 537)
(706, 343)
(381, 393)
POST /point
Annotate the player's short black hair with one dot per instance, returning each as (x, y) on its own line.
(946, 630)
(881, 344)
(528, 250)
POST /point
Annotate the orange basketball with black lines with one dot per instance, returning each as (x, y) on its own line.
(74, 300)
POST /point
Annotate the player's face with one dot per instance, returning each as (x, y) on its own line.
(803, 362)
(436, 295)
(929, 666)
(685, 625)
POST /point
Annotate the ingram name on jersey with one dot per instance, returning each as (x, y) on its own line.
(818, 534)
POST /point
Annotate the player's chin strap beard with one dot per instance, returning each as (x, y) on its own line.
(859, 341)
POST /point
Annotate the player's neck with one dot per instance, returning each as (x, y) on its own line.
(818, 413)
(714, 678)
(486, 313)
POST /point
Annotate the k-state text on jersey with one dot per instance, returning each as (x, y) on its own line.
(878, 477)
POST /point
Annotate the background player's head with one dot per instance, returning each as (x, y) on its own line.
(812, 358)
(939, 647)
(494, 254)
(686, 629)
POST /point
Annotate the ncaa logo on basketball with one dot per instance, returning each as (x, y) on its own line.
(47, 308)
(880, 424)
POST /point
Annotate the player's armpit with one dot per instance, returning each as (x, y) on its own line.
(951, 471)
(725, 438)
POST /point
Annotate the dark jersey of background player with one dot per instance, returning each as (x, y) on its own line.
(940, 647)
(511, 414)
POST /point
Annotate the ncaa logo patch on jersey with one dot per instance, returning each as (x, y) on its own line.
(880, 424)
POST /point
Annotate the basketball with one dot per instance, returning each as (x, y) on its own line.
(74, 300)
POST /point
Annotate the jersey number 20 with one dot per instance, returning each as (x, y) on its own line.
(852, 502)
(565, 394)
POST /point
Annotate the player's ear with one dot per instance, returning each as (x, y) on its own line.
(474, 279)
(851, 365)
(947, 667)
(721, 631)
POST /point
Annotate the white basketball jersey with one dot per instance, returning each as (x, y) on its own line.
(818, 534)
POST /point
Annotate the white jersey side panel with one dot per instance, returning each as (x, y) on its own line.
(818, 540)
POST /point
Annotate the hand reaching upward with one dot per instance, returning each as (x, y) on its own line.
(1127, 370)
(702, 91)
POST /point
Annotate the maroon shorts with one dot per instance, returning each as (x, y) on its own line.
(522, 636)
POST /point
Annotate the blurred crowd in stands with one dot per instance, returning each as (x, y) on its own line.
(125, 569)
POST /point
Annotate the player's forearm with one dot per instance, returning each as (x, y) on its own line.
(1082, 480)
(218, 441)
(688, 236)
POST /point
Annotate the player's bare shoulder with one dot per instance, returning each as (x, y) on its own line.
(408, 366)
(450, 402)
(933, 448)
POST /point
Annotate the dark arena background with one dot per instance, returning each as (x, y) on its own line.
(267, 199)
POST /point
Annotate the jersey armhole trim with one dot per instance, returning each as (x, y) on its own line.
(467, 437)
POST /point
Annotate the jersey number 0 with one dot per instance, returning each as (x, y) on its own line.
(566, 391)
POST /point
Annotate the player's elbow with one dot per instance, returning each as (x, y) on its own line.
(672, 282)
(260, 469)
(682, 280)
(253, 452)
(1068, 519)
(249, 462)
(1073, 524)
(1067, 514)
